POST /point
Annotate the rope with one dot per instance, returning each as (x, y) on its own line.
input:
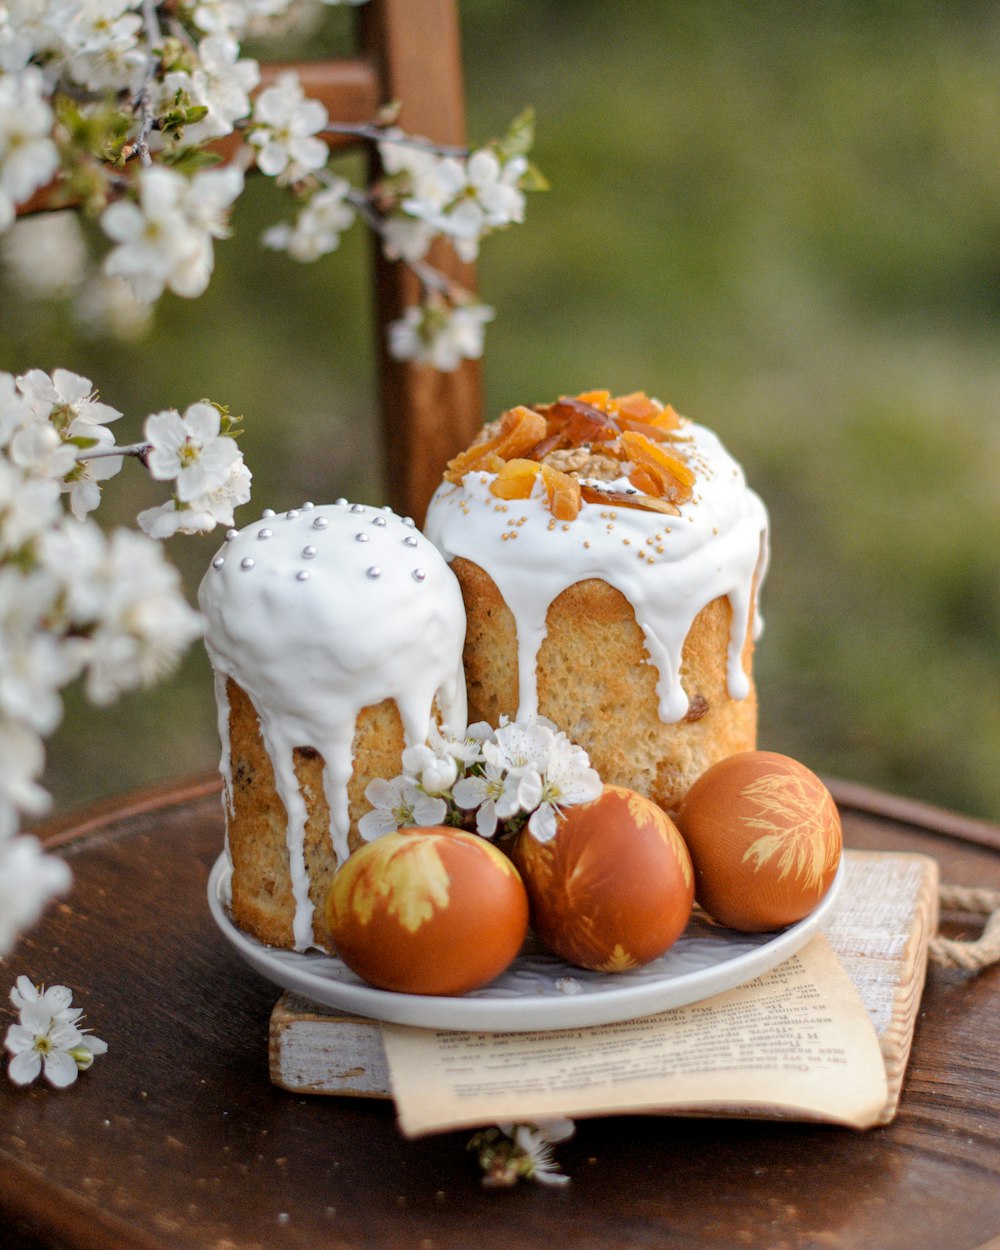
(969, 956)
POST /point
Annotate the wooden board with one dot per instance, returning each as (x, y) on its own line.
(880, 931)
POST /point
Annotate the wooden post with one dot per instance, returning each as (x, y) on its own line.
(427, 416)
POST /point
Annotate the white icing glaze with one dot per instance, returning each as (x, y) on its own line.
(316, 614)
(668, 567)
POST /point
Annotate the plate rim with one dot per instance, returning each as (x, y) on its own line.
(514, 1013)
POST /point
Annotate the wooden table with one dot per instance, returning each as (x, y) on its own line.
(176, 1140)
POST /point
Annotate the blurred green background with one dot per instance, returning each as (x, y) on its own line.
(782, 218)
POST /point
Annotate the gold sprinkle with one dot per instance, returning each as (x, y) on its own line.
(586, 542)
(565, 527)
(660, 550)
(627, 542)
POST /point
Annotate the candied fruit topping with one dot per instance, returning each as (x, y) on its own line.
(520, 430)
(576, 443)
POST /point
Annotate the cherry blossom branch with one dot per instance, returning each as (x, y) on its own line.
(431, 278)
(383, 134)
(140, 144)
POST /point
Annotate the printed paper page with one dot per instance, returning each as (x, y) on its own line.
(796, 1040)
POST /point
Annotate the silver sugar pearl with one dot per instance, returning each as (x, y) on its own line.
(247, 562)
(379, 521)
(261, 534)
(308, 506)
(291, 514)
(267, 514)
(218, 562)
(341, 502)
(231, 534)
(408, 520)
(361, 538)
(357, 507)
(321, 523)
(374, 571)
(418, 575)
(308, 553)
(410, 541)
(302, 575)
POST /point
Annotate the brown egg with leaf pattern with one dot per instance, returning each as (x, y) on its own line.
(614, 887)
(427, 911)
(765, 837)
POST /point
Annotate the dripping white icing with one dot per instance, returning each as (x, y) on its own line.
(668, 568)
(315, 624)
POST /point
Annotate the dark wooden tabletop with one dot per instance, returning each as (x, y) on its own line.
(176, 1140)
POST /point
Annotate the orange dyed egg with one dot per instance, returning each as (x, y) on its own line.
(764, 834)
(427, 911)
(614, 888)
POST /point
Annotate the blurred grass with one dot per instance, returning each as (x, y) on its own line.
(785, 220)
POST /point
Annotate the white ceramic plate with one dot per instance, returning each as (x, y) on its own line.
(538, 991)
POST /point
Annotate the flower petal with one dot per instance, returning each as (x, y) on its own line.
(25, 1067)
(60, 1069)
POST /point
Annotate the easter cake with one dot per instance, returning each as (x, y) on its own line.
(335, 634)
(610, 555)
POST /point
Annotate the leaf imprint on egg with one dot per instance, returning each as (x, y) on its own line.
(794, 827)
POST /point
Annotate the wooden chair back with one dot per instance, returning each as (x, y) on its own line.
(408, 51)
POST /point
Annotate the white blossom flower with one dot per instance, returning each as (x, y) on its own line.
(38, 451)
(108, 306)
(405, 238)
(485, 794)
(434, 771)
(71, 395)
(467, 199)
(102, 45)
(28, 156)
(23, 758)
(317, 229)
(15, 409)
(567, 780)
(47, 1039)
(285, 128)
(189, 450)
(220, 82)
(396, 805)
(28, 880)
(203, 513)
(440, 337)
(145, 624)
(45, 256)
(35, 661)
(521, 745)
(28, 507)
(511, 1152)
(166, 239)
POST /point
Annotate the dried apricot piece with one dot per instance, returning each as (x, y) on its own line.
(563, 491)
(520, 430)
(597, 399)
(638, 406)
(654, 465)
(516, 479)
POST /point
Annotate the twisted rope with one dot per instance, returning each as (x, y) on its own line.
(969, 956)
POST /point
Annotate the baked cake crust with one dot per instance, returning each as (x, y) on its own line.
(596, 682)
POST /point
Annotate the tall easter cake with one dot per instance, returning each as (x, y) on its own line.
(610, 554)
(335, 634)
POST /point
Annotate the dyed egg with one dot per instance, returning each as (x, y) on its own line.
(764, 835)
(427, 911)
(614, 888)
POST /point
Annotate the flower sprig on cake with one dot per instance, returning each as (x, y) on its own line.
(118, 108)
(77, 602)
(490, 781)
(626, 451)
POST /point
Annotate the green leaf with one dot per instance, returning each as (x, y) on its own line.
(188, 160)
(520, 136)
(533, 179)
